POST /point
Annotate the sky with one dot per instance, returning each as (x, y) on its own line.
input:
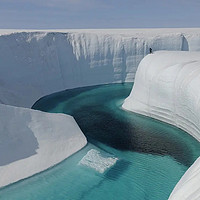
(66, 14)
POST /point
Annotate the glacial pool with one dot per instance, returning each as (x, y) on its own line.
(151, 156)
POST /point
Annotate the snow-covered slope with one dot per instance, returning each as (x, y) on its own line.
(188, 188)
(37, 63)
(167, 88)
(32, 141)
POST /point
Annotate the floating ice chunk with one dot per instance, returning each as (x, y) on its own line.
(94, 159)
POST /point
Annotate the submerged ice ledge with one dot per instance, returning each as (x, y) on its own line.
(96, 160)
(167, 88)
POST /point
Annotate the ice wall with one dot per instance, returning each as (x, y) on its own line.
(32, 141)
(37, 63)
(167, 88)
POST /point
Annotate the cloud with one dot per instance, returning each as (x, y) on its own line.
(99, 13)
(56, 4)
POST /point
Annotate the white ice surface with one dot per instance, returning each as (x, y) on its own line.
(188, 188)
(100, 162)
(32, 141)
(167, 88)
(35, 63)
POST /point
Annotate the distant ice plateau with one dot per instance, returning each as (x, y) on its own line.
(35, 63)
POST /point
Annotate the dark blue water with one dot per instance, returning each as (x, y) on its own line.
(152, 155)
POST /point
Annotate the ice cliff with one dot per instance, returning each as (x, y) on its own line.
(167, 88)
(32, 141)
(37, 63)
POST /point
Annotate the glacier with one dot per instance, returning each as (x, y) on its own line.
(167, 88)
(38, 63)
(35, 63)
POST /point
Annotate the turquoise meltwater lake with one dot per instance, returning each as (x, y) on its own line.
(152, 156)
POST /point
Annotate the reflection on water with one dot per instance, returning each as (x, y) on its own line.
(152, 156)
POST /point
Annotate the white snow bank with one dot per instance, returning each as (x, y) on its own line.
(32, 141)
(36, 63)
(188, 188)
(98, 161)
(167, 88)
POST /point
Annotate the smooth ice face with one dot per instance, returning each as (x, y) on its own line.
(167, 88)
(44, 62)
(188, 187)
(98, 161)
(32, 141)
